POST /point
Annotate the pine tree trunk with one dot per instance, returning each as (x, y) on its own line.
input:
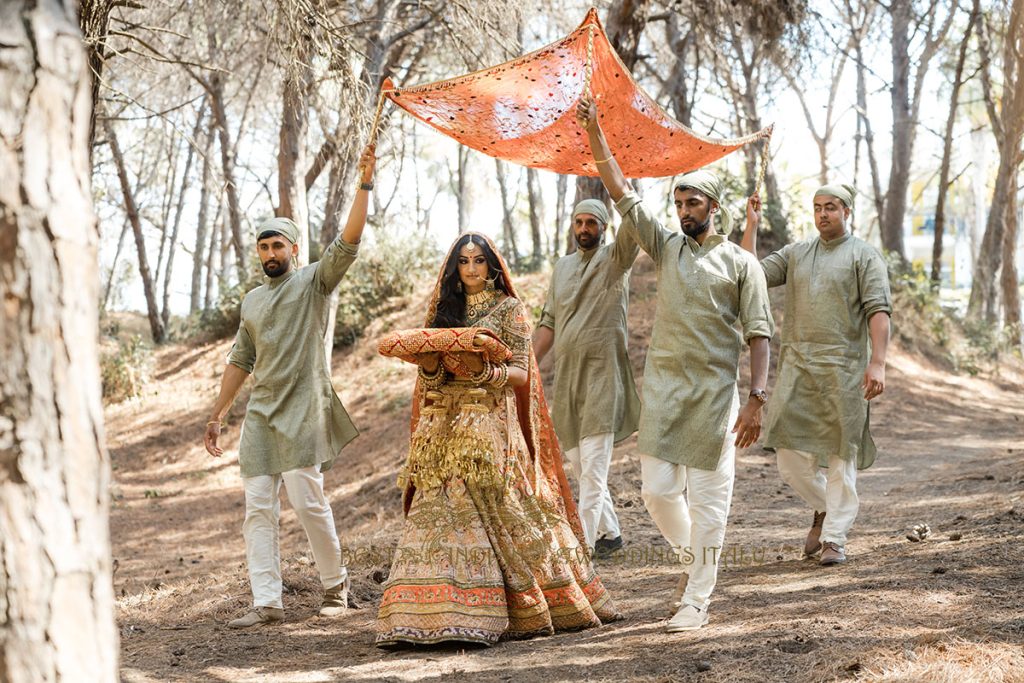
(291, 158)
(227, 158)
(156, 326)
(902, 130)
(200, 250)
(947, 152)
(56, 597)
(533, 193)
(561, 186)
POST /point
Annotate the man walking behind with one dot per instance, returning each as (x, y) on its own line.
(596, 404)
(837, 299)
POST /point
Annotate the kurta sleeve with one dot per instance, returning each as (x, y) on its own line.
(515, 332)
(547, 316)
(625, 248)
(334, 263)
(873, 281)
(645, 228)
(775, 266)
(755, 310)
(243, 351)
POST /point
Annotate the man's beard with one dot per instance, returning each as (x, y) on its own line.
(694, 228)
(276, 270)
(587, 241)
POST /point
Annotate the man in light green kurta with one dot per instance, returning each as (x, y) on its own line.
(295, 425)
(837, 296)
(596, 404)
(711, 299)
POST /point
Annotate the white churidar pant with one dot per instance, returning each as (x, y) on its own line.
(590, 462)
(305, 488)
(833, 492)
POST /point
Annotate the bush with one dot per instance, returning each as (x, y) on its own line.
(922, 324)
(125, 370)
(384, 271)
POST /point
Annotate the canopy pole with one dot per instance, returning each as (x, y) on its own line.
(764, 159)
(375, 128)
(589, 70)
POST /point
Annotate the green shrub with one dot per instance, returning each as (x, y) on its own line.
(125, 369)
(384, 271)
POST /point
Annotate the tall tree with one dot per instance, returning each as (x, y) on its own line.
(1007, 118)
(56, 597)
(156, 325)
(947, 147)
(905, 97)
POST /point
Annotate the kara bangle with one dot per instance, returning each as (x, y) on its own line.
(485, 373)
(366, 186)
(603, 161)
(500, 377)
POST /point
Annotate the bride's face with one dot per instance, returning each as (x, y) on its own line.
(473, 269)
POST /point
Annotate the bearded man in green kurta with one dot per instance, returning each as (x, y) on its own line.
(596, 404)
(711, 299)
(837, 298)
(295, 424)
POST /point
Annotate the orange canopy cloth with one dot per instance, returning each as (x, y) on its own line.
(524, 111)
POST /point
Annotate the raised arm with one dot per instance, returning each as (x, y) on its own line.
(611, 175)
(341, 253)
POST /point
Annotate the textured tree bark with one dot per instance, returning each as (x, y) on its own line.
(508, 232)
(56, 597)
(156, 325)
(947, 150)
(1009, 277)
(291, 154)
(902, 130)
(997, 245)
(561, 217)
(200, 250)
(536, 207)
(227, 159)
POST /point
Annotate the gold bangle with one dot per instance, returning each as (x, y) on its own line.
(603, 161)
(215, 422)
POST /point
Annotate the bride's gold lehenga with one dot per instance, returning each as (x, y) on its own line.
(489, 550)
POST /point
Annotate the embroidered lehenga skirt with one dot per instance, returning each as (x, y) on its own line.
(485, 554)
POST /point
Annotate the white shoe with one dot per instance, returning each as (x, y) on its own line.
(688, 618)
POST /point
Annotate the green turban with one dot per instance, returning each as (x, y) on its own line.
(711, 185)
(285, 227)
(594, 207)
(844, 193)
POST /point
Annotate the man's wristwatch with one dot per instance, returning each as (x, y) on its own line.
(760, 394)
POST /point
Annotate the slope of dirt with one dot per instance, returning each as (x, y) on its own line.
(946, 609)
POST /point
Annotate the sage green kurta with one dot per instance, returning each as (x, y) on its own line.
(294, 419)
(586, 307)
(693, 358)
(832, 289)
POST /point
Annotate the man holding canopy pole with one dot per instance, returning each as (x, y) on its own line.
(691, 421)
(837, 299)
(596, 404)
(295, 425)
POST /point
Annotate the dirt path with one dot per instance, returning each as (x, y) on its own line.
(951, 456)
